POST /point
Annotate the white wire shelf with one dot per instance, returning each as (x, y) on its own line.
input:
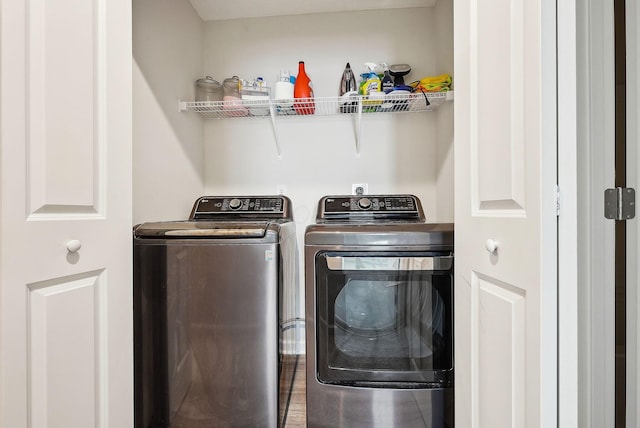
(326, 106)
(356, 106)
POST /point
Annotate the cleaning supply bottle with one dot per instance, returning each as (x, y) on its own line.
(387, 80)
(348, 81)
(370, 81)
(283, 92)
(303, 92)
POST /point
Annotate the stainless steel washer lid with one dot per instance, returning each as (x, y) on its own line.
(204, 229)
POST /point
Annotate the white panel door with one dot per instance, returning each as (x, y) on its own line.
(633, 231)
(506, 234)
(65, 256)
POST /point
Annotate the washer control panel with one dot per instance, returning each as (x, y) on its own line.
(370, 206)
(212, 207)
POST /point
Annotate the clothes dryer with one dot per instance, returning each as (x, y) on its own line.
(379, 308)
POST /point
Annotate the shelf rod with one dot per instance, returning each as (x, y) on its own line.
(272, 113)
(358, 126)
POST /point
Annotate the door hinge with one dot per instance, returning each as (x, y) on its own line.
(556, 195)
(620, 203)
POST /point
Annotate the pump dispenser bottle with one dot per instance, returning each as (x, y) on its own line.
(303, 102)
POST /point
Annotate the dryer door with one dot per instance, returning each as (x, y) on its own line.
(385, 318)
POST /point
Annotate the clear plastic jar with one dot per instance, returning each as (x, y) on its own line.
(208, 89)
(232, 100)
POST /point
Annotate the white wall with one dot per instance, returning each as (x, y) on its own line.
(168, 155)
(400, 153)
(444, 57)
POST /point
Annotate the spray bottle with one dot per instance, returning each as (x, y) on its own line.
(387, 80)
(370, 81)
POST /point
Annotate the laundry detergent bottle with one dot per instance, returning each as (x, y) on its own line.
(303, 102)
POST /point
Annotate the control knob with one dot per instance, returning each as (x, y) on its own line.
(235, 203)
(364, 203)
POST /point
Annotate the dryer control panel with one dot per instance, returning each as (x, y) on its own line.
(214, 207)
(370, 207)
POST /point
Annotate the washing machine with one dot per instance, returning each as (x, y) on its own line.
(379, 315)
(208, 298)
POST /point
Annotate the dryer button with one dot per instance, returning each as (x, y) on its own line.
(235, 203)
(364, 203)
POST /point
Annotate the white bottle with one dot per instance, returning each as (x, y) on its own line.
(283, 92)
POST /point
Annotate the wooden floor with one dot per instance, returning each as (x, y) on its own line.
(292, 391)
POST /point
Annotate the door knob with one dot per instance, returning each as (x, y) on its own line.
(73, 246)
(491, 245)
